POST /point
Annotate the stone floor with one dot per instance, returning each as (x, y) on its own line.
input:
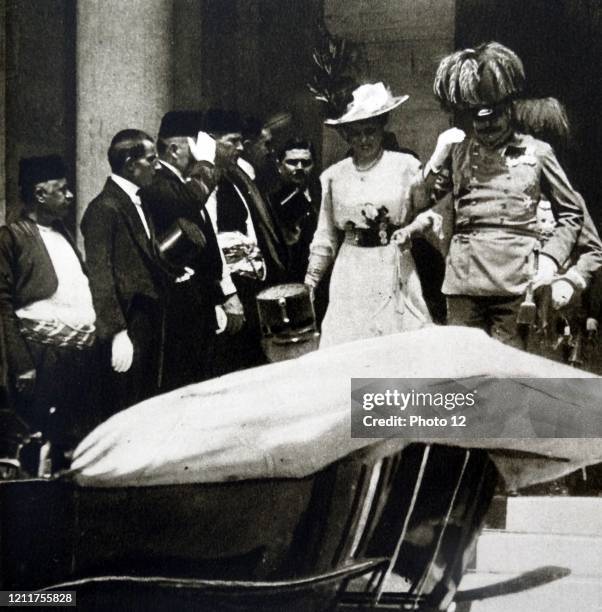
(565, 532)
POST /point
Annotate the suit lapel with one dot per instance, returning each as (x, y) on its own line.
(259, 213)
(132, 219)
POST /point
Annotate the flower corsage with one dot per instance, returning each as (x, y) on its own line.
(378, 221)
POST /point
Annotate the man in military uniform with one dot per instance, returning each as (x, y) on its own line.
(497, 177)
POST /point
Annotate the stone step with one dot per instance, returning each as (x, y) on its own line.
(560, 515)
(569, 594)
(515, 552)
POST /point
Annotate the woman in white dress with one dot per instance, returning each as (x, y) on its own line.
(374, 289)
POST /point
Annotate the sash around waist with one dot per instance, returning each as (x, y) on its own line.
(58, 334)
(492, 227)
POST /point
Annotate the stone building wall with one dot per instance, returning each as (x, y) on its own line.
(403, 42)
(39, 81)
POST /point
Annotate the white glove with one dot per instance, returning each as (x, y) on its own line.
(444, 145)
(235, 313)
(122, 352)
(203, 148)
(562, 292)
(222, 319)
(316, 268)
(188, 274)
(591, 326)
(402, 238)
(546, 271)
(429, 218)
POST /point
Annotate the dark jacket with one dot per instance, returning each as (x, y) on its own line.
(593, 297)
(169, 199)
(231, 215)
(124, 266)
(297, 217)
(26, 276)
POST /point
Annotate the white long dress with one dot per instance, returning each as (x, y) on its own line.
(374, 291)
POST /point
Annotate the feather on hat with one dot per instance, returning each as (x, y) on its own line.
(543, 118)
(483, 76)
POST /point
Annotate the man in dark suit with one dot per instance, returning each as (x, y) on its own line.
(47, 317)
(127, 275)
(175, 203)
(296, 203)
(259, 154)
(248, 237)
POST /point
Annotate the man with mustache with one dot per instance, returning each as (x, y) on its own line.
(497, 176)
(248, 237)
(176, 204)
(296, 203)
(47, 317)
(129, 278)
(258, 158)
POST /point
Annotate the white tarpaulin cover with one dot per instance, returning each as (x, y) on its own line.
(292, 418)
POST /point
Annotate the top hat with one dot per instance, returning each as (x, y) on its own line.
(182, 243)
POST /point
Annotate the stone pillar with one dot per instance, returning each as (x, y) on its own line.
(124, 79)
(2, 113)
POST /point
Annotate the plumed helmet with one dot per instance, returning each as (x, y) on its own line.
(484, 76)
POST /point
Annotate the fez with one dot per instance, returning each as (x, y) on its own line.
(181, 123)
(34, 170)
(219, 121)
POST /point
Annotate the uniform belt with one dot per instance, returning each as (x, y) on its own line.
(489, 227)
(368, 237)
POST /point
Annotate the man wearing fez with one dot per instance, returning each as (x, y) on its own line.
(175, 203)
(497, 176)
(248, 237)
(47, 314)
(128, 278)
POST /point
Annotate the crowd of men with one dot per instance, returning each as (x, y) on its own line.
(179, 241)
(186, 231)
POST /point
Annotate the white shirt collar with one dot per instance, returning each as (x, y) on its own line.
(46, 228)
(246, 167)
(130, 188)
(175, 170)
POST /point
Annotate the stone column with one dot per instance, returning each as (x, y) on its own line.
(2, 113)
(124, 79)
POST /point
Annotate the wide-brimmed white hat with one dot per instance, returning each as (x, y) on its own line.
(368, 101)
